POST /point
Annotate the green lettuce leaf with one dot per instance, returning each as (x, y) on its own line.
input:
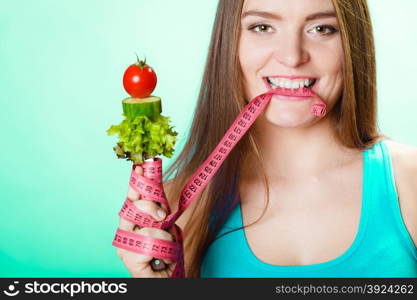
(141, 137)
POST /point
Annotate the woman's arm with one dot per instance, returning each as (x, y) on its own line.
(404, 160)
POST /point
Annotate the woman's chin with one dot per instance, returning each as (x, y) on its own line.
(289, 118)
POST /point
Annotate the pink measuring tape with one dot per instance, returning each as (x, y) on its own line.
(150, 187)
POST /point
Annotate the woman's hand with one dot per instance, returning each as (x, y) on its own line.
(140, 265)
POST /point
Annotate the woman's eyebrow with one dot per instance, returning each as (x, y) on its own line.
(321, 15)
(269, 15)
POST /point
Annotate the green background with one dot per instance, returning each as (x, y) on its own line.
(61, 64)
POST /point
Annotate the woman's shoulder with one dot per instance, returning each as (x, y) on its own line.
(404, 162)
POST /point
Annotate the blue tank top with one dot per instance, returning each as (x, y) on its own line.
(382, 246)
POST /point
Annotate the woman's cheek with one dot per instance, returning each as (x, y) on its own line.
(253, 83)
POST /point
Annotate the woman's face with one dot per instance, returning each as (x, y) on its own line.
(291, 44)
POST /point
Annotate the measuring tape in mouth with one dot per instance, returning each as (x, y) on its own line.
(149, 186)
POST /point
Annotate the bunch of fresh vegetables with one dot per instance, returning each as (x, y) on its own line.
(144, 133)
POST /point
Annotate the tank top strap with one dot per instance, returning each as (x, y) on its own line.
(384, 211)
(375, 174)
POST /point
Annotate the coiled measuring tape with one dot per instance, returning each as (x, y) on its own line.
(149, 185)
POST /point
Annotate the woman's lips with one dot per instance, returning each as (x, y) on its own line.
(292, 94)
(290, 98)
(288, 94)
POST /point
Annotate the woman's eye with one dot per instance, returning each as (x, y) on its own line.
(324, 29)
(260, 28)
(320, 29)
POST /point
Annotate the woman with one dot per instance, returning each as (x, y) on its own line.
(316, 197)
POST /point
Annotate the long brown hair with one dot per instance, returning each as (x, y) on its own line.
(221, 99)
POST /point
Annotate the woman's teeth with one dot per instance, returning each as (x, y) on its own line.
(290, 84)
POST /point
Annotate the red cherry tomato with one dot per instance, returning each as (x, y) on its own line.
(139, 80)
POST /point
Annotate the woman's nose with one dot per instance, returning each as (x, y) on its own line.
(290, 51)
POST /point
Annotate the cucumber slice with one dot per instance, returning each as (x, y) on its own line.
(150, 107)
